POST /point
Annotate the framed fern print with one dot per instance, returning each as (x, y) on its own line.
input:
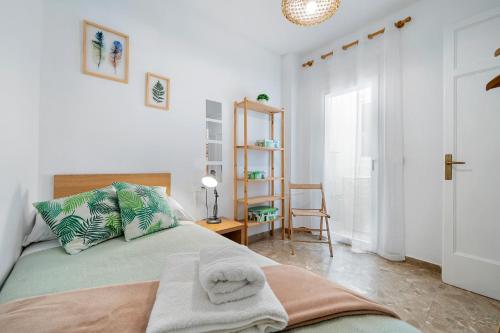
(157, 91)
(105, 52)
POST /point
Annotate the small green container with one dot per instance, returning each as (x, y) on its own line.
(260, 143)
(268, 143)
(262, 213)
(256, 175)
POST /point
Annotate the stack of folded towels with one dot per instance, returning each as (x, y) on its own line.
(220, 289)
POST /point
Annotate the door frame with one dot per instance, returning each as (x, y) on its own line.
(450, 75)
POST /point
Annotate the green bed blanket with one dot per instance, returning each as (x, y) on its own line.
(117, 262)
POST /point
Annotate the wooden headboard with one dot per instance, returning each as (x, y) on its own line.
(65, 185)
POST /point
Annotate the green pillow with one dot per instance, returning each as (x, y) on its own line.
(144, 210)
(83, 220)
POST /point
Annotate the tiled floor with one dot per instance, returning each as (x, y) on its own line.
(416, 293)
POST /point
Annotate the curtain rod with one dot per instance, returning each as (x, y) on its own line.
(398, 24)
(376, 33)
(308, 64)
(401, 23)
(326, 55)
(351, 44)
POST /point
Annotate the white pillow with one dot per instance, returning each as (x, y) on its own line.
(176, 207)
(40, 232)
(179, 212)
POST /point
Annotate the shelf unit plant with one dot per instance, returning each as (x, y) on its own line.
(247, 106)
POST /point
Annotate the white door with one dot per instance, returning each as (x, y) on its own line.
(471, 212)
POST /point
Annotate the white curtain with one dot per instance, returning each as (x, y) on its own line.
(363, 146)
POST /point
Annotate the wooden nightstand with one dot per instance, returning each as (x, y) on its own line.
(227, 228)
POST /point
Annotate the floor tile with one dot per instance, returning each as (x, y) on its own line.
(416, 293)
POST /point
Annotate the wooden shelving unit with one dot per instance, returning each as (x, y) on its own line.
(256, 224)
(268, 179)
(248, 106)
(260, 199)
(253, 147)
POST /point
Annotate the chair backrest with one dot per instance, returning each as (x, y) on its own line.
(292, 186)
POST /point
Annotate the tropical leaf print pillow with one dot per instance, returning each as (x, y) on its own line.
(144, 210)
(83, 220)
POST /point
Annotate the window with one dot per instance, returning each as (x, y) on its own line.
(350, 158)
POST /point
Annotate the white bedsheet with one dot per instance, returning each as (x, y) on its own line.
(40, 246)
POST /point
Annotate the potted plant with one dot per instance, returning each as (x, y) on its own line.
(262, 98)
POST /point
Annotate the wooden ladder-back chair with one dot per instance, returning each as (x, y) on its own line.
(321, 213)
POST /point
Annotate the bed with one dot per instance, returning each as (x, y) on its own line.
(44, 268)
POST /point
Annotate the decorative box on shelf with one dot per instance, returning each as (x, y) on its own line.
(262, 213)
(268, 143)
(256, 174)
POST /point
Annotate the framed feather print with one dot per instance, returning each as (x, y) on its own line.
(105, 52)
(157, 91)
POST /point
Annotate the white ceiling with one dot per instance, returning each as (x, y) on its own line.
(262, 21)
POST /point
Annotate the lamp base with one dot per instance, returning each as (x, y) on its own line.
(214, 220)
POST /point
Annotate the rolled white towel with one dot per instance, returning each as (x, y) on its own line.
(227, 273)
(182, 305)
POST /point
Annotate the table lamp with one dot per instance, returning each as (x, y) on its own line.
(209, 181)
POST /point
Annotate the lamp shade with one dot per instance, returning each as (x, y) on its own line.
(209, 181)
(309, 12)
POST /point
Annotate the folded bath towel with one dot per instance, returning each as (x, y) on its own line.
(182, 305)
(228, 273)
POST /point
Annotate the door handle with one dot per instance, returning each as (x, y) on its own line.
(448, 166)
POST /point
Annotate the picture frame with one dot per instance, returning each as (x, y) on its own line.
(105, 52)
(157, 91)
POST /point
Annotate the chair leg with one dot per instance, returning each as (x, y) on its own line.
(283, 229)
(321, 229)
(290, 231)
(328, 234)
(289, 222)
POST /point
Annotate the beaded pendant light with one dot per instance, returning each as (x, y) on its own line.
(309, 12)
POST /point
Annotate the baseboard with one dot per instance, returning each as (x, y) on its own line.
(422, 263)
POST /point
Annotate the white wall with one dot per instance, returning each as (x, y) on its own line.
(297, 161)
(19, 100)
(422, 58)
(92, 125)
(289, 91)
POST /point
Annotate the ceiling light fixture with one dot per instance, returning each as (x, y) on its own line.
(311, 7)
(309, 12)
